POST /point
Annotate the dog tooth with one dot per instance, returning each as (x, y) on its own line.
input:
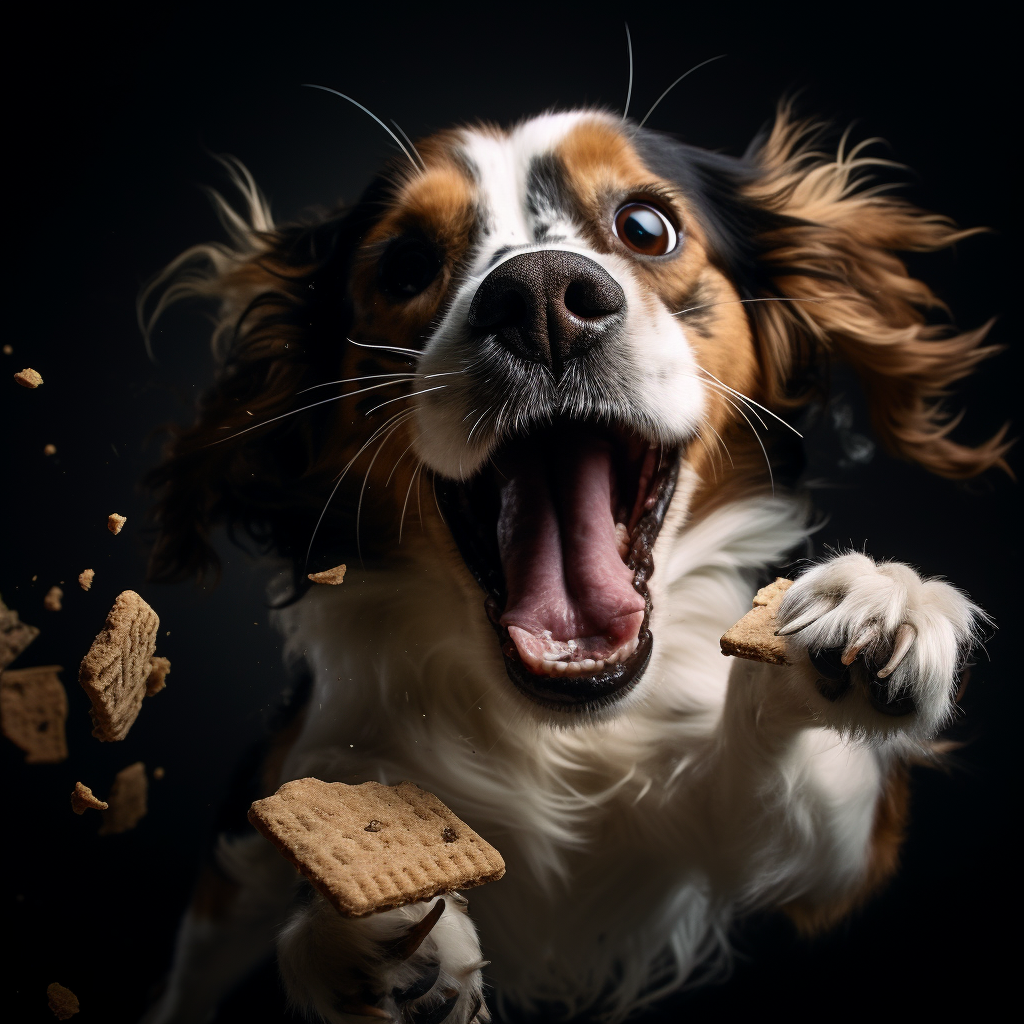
(588, 664)
(560, 667)
(573, 668)
(599, 664)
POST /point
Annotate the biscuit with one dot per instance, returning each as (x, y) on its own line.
(33, 710)
(62, 1001)
(126, 801)
(15, 636)
(372, 847)
(82, 799)
(28, 378)
(332, 576)
(49, 449)
(753, 637)
(115, 670)
(159, 670)
(115, 522)
(52, 600)
(85, 578)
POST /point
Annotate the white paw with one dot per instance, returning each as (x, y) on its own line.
(417, 965)
(883, 647)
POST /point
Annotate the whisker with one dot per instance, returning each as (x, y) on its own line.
(366, 480)
(393, 468)
(415, 476)
(723, 389)
(386, 348)
(673, 85)
(733, 302)
(356, 380)
(629, 91)
(413, 394)
(334, 92)
(347, 467)
(412, 145)
(477, 424)
(750, 401)
(767, 461)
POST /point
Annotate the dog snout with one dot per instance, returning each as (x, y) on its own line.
(548, 307)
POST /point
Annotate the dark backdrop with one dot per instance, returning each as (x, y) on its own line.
(111, 121)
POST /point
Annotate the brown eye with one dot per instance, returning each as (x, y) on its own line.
(645, 229)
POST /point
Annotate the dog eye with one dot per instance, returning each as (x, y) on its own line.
(408, 267)
(645, 229)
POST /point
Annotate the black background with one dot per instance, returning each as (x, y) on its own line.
(111, 122)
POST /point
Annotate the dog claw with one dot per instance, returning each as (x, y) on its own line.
(797, 625)
(404, 947)
(854, 647)
(433, 1014)
(905, 637)
(420, 987)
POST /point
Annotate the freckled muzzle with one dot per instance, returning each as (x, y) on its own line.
(548, 307)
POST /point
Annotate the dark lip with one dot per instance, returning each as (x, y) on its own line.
(478, 546)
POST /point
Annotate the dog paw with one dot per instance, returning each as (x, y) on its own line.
(415, 965)
(881, 647)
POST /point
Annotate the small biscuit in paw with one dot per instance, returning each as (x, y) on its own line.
(753, 637)
(116, 669)
(373, 847)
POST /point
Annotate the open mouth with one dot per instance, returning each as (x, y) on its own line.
(559, 530)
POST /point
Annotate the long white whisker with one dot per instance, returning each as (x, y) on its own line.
(413, 394)
(722, 443)
(386, 348)
(345, 469)
(734, 302)
(334, 92)
(722, 389)
(629, 91)
(767, 461)
(412, 145)
(751, 402)
(673, 85)
(400, 457)
(477, 424)
(356, 380)
(366, 480)
(405, 504)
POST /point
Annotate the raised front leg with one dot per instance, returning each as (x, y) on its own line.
(419, 964)
(877, 648)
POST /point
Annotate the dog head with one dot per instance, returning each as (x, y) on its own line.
(545, 325)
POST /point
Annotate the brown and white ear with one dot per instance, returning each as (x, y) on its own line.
(280, 298)
(831, 252)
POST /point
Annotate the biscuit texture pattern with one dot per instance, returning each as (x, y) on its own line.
(753, 637)
(373, 847)
(33, 710)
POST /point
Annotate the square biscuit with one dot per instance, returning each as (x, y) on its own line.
(115, 671)
(126, 802)
(373, 847)
(33, 710)
(15, 636)
(753, 637)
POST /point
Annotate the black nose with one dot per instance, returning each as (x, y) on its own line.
(548, 307)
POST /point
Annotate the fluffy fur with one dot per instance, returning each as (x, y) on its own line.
(634, 832)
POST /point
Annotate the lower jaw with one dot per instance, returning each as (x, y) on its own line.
(575, 694)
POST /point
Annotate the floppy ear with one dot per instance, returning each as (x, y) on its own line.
(281, 314)
(831, 253)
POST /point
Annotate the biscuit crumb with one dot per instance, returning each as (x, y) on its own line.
(82, 799)
(85, 578)
(62, 1001)
(115, 522)
(331, 576)
(28, 378)
(49, 449)
(33, 710)
(52, 600)
(158, 773)
(116, 667)
(8, 350)
(127, 800)
(15, 636)
(159, 669)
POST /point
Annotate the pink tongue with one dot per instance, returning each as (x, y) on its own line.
(556, 534)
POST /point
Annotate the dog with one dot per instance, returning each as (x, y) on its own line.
(517, 389)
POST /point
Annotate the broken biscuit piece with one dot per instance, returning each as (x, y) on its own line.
(52, 600)
(159, 670)
(33, 710)
(62, 1001)
(115, 522)
(117, 666)
(85, 578)
(83, 799)
(753, 637)
(49, 449)
(373, 847)
(331, 576)
(127, 800)
(15, 636)
(28, 378)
